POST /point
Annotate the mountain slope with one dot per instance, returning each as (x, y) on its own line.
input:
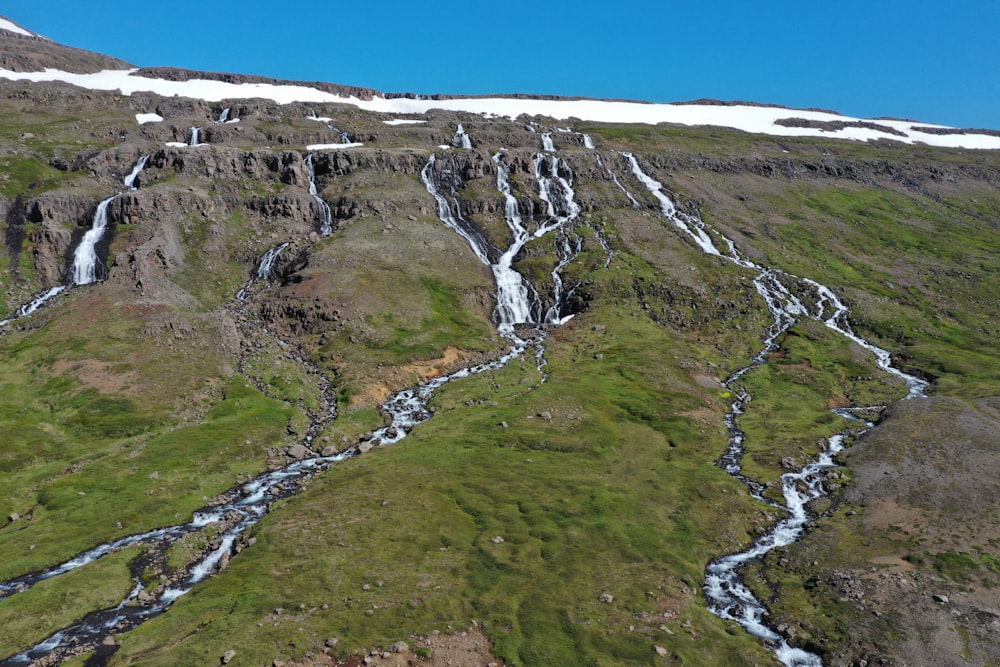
(569, 507)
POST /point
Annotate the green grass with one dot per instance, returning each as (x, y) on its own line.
(30, 617)
(588, 502)
(124, 411)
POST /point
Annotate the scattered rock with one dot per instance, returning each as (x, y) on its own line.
(298, 452)
(547, 416)
(940, 598)
(606, 597)
(228, 656)
(498, 540)
(660, 650)
(14, 516)
(329, 450)
(331, 642)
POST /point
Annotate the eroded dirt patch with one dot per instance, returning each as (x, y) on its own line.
(469, 648)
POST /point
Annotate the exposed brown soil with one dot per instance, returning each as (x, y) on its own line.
(398, 378)
(468, 648)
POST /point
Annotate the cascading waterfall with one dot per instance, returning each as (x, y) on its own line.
(267, 261)
(693, 227)
(588, 142)
(551, 183)
(326, 223)
(517, 301)
(195, 137)
(547, 144)
(462, 140)
(567, 252)
(86, 264)
(224, 116)
(728, 596)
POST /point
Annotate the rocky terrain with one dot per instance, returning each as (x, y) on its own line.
(558, 507)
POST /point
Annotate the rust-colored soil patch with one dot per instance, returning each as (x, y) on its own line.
(394, 379)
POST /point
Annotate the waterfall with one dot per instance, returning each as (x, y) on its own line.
(267, 261)
(87, 266)
(547, 144)
(139, 166)
(224, 116)
(462, 139)
(194, 140)
(326, 224)
(692, 226)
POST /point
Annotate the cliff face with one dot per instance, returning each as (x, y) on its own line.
(569, 502)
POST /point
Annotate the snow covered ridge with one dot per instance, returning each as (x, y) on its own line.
(776, 121)
(10, 26)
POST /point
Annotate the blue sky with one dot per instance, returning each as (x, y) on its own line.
(930, 61)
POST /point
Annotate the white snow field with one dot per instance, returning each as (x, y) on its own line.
(756, 119)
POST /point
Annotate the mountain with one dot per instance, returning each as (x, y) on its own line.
(309, 374)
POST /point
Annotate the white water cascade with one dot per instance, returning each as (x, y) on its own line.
(267, 261)
(561, 211)
(518, 301)
(326, 223)
(462, 139)
(727, 594)
(86, 264)
(195, 137)
(547, 144)
(223, 117)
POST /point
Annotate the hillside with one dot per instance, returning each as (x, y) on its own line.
(339, 374)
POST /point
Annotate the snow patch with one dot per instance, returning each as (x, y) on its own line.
(13, 27)
(143, 118)
(760, 120)
(403, 121)
(332, 147)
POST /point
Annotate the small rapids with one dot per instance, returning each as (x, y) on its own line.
(727, 594)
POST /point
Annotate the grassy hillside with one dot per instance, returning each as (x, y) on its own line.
(569, 511)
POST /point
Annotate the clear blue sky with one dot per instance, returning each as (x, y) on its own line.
(931, 61)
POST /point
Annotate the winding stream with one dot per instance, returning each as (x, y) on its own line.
(727, 594)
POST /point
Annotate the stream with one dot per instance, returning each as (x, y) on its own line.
(789, 300)
(727, 594)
